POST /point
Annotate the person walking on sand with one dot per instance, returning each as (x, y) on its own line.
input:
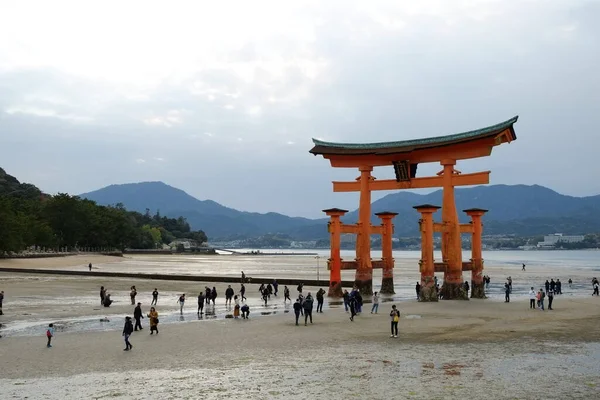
(154, 297)
(265, 295)
(595, 292)
(297, 309)
(532, 298)
(466, 287)
(201, 303)
(506, 293)
(90, 267)
(181, 302)
(359, 301)
(127, 331)
(275, 287)
(375, 306)
(208, 294)
(308, 307)
(102, 295)
(243, 292)
(137, 315)
(542, 297)
(550, 299)
(286, 294)
(320, 300)
(395, 318)
(523, 269)
(418, 289)
(213, 295)
(49, 335)
(228, 295)
(558, 286)
(243, 277)
(132, 294)
(346, 299)
(352, 306)
(153, 316)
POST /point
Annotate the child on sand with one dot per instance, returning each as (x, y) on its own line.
(50, 334)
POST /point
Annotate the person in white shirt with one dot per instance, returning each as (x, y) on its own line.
(532, 298)
(375, 307)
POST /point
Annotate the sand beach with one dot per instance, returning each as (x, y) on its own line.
(477, 348)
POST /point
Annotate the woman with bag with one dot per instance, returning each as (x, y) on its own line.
(395, 316)
(153, 316)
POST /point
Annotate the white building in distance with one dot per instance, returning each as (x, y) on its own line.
(553, 240)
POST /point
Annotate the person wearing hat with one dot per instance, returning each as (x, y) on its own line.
(127, 331)
(137, 314)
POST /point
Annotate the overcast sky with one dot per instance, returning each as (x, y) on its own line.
(222, 98)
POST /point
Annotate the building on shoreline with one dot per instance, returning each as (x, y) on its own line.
(550, 241)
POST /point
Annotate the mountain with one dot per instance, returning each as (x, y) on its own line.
(514, 209)
(216, 220)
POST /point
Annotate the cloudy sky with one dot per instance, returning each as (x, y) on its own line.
(222, 98)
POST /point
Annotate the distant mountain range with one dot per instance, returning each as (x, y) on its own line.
(514, 209)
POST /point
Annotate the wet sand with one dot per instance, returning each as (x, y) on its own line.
(476, 348)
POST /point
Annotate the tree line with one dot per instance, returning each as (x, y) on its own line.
(30, 218)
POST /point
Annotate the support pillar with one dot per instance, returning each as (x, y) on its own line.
(426, 264)
(387, 280)
(477, 284)
(452, 288)
(335, 260)
(364, 269)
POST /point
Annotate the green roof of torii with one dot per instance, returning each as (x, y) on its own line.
(322, 147)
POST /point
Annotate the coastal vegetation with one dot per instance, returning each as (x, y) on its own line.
(29, 217)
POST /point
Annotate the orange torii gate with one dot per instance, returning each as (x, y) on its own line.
(405, 156)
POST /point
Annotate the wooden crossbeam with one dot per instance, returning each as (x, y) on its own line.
(464, 228)
(353, 228)
(477, 178)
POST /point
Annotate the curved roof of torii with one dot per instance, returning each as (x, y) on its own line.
(405, 146)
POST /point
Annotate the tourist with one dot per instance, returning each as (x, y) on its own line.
(228, 295)
(538, 297)
(153, 316)
(300, 286)
(542, 297)
(107, 300)
(466, 287)
(269, 290)
(102, 295)
(275, 287)
(213, 295)
(558, 286)
(506, 293)
(532, 298)
(236, 309)
(550, 299)
(243, 277)
(132, 294)
(595, 292)
(208, 294)
(243, 292)
(523, 269)
(90, 267)
(181, 302)
(261, 288)
(301, 298)
(346, 299)
(359, 301)
(127, 331)
(50, 335)
(297, 309)
(320, 300)
(547, 285)
(375, 306)
(200, 303)
(137, 315)
(245, 311)
(487, 282)
(1, 300)
(418, 289)
(510, 283)
(438, 291)
(395, 317)
(570, 283)
(154, 297)
(308, 307)
(552, 285)
(286, 294)
(265, 295)
(352, 305)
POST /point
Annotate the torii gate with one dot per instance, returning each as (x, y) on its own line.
(405, 156)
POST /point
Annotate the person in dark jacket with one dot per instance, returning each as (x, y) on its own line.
(102, 294)
(208, 293)
(418, 289)
(308, 307)
(243, 292)
(245, 311)
(346, 299)
(352, 306)
(359, 302)
(154, 297)
(107, 300)
(320, 300)
(228, 295)
(213, 295)
(201, 303)
(297, 308)
(466, 287)
(127, 331)
(275, 287)
(286, 294)
(137, 315)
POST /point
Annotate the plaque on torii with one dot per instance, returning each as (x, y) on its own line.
(404, 157)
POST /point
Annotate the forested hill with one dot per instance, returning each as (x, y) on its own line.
(28, 217)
